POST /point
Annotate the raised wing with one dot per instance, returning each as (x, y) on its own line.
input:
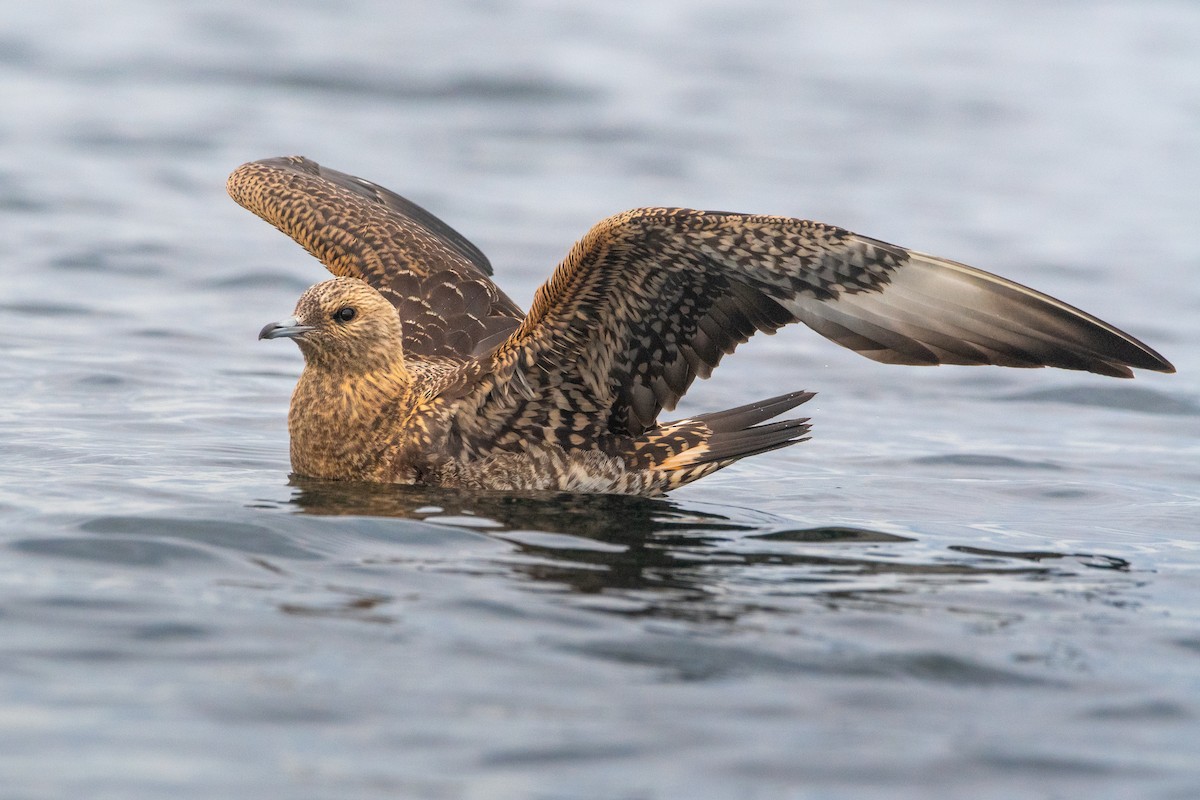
(652, 298)
(437, 280)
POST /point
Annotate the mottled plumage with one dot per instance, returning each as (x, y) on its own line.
(420, 370)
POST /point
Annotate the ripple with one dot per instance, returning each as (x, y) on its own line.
(585, 751)
(983, 460)
(1037, 556)
(102, 380)
(688, 660)
(478, 88)
(117, 140)
(117, 550)
(42, 309)
(14, 197)
(287, 709)
(1039, 764)
(831, 534)
(357, 606)
(137, 260)
(1189, 644)
(169, 631)
(17, 51)
(262, 279)
(1125, 398)
(946, 669)
(1149, 711)
(238, 536)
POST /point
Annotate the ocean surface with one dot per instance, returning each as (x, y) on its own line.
(975, 583)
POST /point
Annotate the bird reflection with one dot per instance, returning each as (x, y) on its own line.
(615, 519)
(666, 559)
(640, 538)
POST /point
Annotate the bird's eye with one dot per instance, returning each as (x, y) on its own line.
(345, 314)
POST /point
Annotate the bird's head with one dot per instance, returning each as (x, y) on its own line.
(344, 324)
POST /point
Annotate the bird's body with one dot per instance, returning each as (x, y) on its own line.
(418, 369)
(363, 411)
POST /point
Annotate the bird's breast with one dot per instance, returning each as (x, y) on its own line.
(358, 428)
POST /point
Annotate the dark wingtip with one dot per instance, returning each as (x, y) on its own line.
(1159, 364)
(1137, 355)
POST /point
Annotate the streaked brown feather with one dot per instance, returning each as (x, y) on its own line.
(360, 230)
(650, 299)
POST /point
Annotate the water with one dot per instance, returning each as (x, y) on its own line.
(970, 583)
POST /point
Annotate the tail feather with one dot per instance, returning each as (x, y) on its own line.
(735, 419)
(691, 448)
(732, 445)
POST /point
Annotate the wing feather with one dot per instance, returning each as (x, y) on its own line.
(651, 299)
(437, 280)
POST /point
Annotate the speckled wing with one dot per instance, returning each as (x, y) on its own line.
(650, 299)
(437, 280)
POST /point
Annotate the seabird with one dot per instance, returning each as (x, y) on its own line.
(419, 369)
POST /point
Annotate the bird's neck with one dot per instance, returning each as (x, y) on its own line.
(384, 362)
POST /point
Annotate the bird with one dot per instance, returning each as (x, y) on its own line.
(420, 370)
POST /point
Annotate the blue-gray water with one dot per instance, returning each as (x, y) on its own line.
(974, 583)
